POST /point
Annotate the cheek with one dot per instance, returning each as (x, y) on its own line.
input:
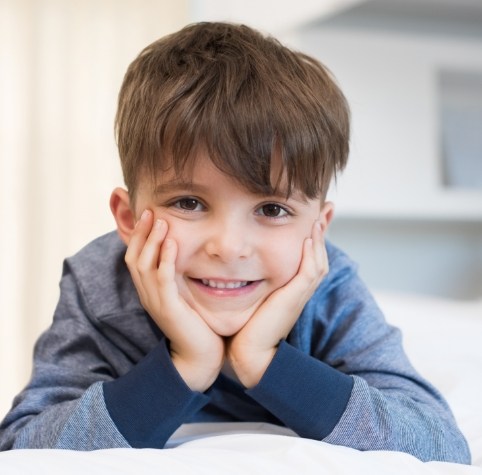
(284, 259)
(184, 242)
(179, 232)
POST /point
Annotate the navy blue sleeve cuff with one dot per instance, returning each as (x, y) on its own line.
(151, 401)
(307, 395)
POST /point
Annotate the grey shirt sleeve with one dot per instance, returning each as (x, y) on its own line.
(343, 377)
(65, 404)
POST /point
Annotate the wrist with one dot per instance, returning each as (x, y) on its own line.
(198, 377)
(251, 366)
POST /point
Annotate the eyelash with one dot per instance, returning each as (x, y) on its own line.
(177, 203)
(283, 209)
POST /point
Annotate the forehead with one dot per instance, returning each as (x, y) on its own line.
(202, 175)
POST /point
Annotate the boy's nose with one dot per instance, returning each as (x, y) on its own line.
(228, 241)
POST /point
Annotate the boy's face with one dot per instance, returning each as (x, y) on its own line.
(234, 247)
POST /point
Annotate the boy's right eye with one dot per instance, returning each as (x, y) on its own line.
(188, 204)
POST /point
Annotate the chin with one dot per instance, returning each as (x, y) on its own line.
(225, 333)
(227, 325)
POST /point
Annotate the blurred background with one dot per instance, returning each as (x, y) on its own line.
(408, 207)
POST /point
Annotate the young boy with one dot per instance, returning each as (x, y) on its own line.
(218, 300)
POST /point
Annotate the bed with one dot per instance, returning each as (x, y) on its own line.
(444, 340)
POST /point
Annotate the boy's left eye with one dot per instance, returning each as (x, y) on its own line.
(272, 210)
(188, 204)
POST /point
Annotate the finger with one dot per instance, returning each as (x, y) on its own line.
(138, 239)
(179, 322)
(308, 266)
(301, 287)
(319, 248)
(149, 257)
(167, 266)
(147, 263)
(135, 247)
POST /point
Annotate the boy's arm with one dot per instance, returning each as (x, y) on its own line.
(358, 388)
(88, 394)
(196, 351)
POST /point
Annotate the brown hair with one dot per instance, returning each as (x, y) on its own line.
(241, 96)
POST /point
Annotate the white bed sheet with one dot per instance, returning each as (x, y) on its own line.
(444, 341)
(233, 454)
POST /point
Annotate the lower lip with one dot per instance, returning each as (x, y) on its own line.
(238, 292)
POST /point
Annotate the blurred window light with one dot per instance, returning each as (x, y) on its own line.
(460, 94)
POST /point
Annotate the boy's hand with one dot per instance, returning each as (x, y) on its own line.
(251, 350)
(196, 351)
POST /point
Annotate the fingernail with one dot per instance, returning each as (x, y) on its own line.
(145, 214)
(158, 224)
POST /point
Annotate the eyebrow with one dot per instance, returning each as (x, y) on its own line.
(177, 185)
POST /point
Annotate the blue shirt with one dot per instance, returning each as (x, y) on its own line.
(103, 376)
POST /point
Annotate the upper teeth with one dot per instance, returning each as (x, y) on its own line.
(224, 285)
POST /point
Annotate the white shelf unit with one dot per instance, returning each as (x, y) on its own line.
(393, 213)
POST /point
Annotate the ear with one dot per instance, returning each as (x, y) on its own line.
(326, 214)
(123, 214)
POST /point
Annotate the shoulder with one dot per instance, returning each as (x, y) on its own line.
(102, 277)
(342, 267)
(341, 307)
(338, 289)
(341, 289)
(108, 248)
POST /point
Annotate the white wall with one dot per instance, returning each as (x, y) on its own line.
(390, 80)
(277, 17)
(61, 66)
(395, 217)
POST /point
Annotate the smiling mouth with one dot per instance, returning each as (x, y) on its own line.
(215, 284)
